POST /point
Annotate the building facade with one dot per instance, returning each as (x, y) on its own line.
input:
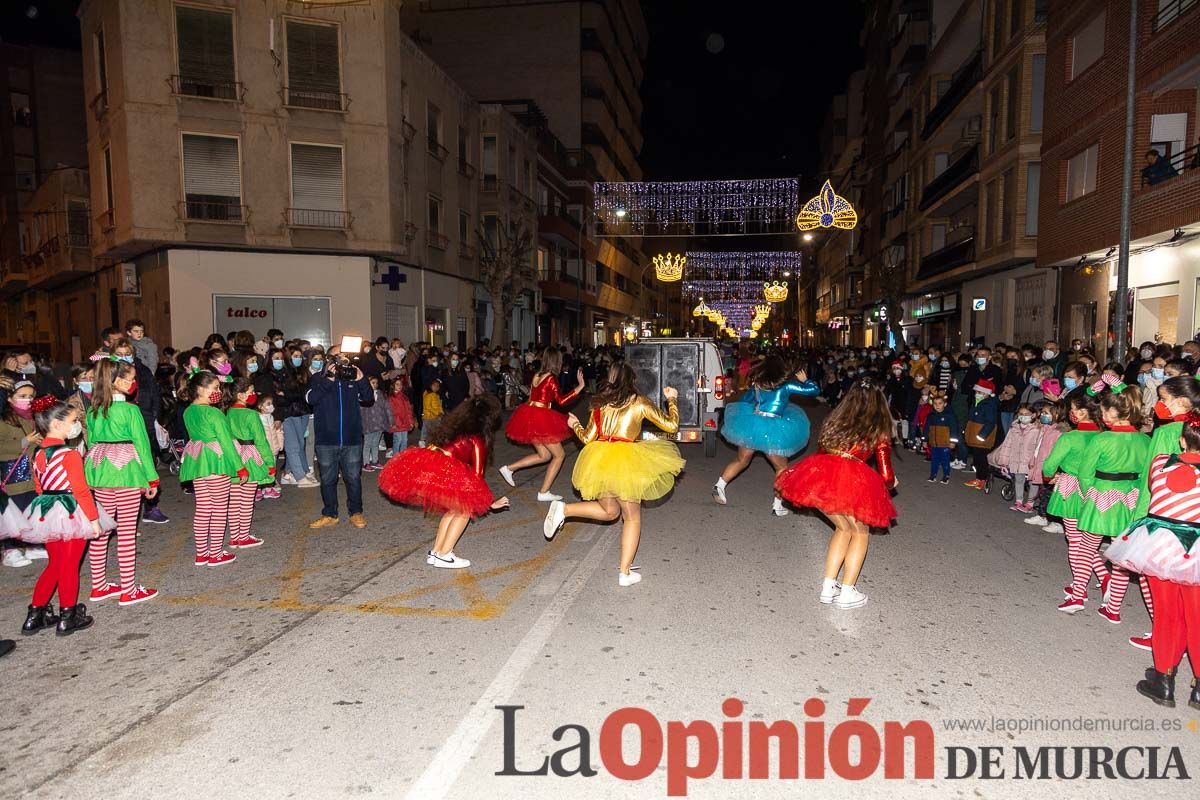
(1088, 61)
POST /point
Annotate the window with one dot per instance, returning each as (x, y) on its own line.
(435, 213)
(941, 87)
(463, 145)
(993, 118)
(1037, 92)
(464, 228)
(318, 190)
(940, 162)
(937, 237)
(990, 205)
(108, 180)
(1006, 210)
(313, 66)
(1087, 45)
(26, 173)
(433, 125)
(1014, 22)
(1081, 173)
(543, 199)
(22, 111)
(204, 41)
(527, 178)
(512, 166)
(543, 263)
(997, 26)
(212, 180)
(78, 224)
(405, 96)
(489, 157)
(1168, 133)
(1033, 187)
(1013, 101)
(101, 63)
(491, 229)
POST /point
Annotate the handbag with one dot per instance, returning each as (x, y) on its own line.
(20, 470)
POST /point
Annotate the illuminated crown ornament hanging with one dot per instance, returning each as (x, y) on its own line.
(701, 310)
(697, 208)
(827, 210)
(762, 310)
(775, 291)
(669, 268)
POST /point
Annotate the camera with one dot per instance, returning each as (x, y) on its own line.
(343, 370)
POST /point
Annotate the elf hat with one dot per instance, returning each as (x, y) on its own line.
(985, 386)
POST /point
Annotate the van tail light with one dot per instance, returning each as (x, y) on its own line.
(711, 423)
(719, 387)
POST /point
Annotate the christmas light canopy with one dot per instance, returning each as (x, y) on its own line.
(691, 208)
(775, 291)
(827, 210)
(668, 268)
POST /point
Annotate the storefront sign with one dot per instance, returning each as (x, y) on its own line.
(979, 304)
(298, 317)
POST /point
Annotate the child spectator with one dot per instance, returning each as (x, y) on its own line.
(402, 415)
(144, 347)
(924, 407)
(431, 409)
(1016, 453)
(940, 429)
(1053, 419)
(982, 421)
(274, 431)
(376, 418)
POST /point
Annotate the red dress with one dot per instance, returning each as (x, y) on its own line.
(535, 422)
(441, 480)
(842, 483)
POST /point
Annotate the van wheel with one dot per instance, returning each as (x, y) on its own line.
(710, 444)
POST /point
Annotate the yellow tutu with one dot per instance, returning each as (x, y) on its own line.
(640, 471)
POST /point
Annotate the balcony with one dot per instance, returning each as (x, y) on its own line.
(438, 241)
(315, 100)
(467, 251)
(436, 148)
(489, 183)
(60, 259)
(1185, 161)
(14, 275)
(964, 80)
(466, 168)
(318, 218)
(1170, 11)
(949, 257)
(207, 88)
(99, 104)
(223, 210)
(962, 169)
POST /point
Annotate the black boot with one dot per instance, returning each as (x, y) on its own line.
(1160, 687)
(74, 618)
(39, 617)
(1194, 700)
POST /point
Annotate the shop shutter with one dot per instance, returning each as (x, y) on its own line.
(312, 56)
(317, 177)
(1029, 317)
(205, 40)
(210, 167)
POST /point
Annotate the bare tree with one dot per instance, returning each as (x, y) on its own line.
(892, 281)
(505, 269)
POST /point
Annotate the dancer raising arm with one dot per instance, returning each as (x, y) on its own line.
(537, 423)
(838, 483)
(766, 421)
(615, 472)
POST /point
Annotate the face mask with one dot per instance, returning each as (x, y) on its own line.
(278, 342)
(1035, 382)
(23, 406)
(897, 371)
(251, 366)
(1025, 418)
(1142, 378)
(1147, 353)
(1158, 373)
(316, 366)
(433, 362)
(1070, 384)
(979, 397)
(981, 361)
(1077, 347)
(76, 430)
(297, 362)
(1161, 411)
(30, 368)
(1048, 355)
(214, 397)
(126, 359)
(267, 410)
(85, 387)
(276, 364)
(454, 362)
(1046, 419)
(223, 369)
(945, 363)
(251, 399)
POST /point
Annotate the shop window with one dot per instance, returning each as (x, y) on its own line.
(212, 179)
(302, 317)
(314, 69)
(1081, 173)
(1087, 46)
(204, 43)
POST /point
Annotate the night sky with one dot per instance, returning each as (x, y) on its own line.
(753, 108)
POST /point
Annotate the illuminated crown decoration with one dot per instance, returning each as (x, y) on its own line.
(701, 310)
(669, 268)
(827, 210)
(716, 316)
(762, 310)
(775, 291)
(753, 334)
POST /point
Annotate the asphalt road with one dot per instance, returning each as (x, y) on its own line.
(336, 663)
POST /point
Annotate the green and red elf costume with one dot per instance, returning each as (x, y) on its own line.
(120, 469)
(211, 462)
(250, 441)
(1061, 468)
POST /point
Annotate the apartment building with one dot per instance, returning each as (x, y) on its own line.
(1088, 62)
(576, 66)
(41, 139)
(278, 164)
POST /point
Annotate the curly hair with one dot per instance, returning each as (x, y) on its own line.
(475, 416)
(617, 388)
(861, 417)
(769, 373)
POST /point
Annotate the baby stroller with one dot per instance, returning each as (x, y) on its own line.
(1007, 490)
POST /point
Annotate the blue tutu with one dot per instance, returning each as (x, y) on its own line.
(785, 435)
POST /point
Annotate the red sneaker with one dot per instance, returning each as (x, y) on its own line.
(1070, 605)
(137, 594)
(1105, 580)
(248, 541)
(104, 592)
(1141, 642)
(221, 558)
(201, 561)
(1112, 616)
(975, 484)
(1068, 591)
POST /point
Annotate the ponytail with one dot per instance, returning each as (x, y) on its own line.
(108, 371)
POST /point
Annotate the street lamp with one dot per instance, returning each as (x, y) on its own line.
(808, 237)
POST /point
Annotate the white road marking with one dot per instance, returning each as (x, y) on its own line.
(446, 766)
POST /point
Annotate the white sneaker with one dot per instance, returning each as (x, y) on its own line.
(828, 594)
(1053, 527)
(547, 497)
(15, 558)
(555, 517)
(778, 510)
(36, 551)
(288, 479)
(448, 561)
(628, 580)
(956, 464)
(719, 494)
(849, 597)
(506, 473)
(308, 482)
(1038, 520)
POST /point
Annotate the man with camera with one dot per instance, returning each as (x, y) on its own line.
(336, 396)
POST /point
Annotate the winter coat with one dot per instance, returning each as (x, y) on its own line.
(941, 428)
(289, 393)
(981, 423)
(377, 417)
(402, 413)
(1048, 436)
(1019, 448)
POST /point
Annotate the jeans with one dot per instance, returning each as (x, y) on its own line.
(399, 441)
(294, 429)
(427, 428)
(939, 457)
(370, 450)
(348, 460)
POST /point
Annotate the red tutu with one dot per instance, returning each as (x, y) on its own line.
(536, 425)
(837, 485)
(436, 482)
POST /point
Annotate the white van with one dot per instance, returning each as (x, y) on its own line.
(696, 368)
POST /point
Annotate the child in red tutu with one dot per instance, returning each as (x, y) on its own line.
(537, 423)
(446, 476)
(838, 482)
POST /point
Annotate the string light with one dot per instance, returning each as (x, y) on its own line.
(827, 210)
(669, 268)
(689, 208)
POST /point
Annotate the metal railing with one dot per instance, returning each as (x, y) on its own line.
(1171, 11)
(966, 166)
(466, 168)
(436, 148)
(438, 240)
(79, 239)
(489, 183)
(321, 101)
(965, 78)
(318, 218)
(209, 88)
(213, 210)
(947, 258)
(1167, 168)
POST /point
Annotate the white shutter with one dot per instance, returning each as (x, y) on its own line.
(210, 166)
(317, 177)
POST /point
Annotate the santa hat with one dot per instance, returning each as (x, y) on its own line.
(984, 386)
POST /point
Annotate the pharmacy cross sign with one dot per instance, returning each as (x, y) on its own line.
(392, 278)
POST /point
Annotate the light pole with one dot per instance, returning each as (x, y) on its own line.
(1121, 325)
